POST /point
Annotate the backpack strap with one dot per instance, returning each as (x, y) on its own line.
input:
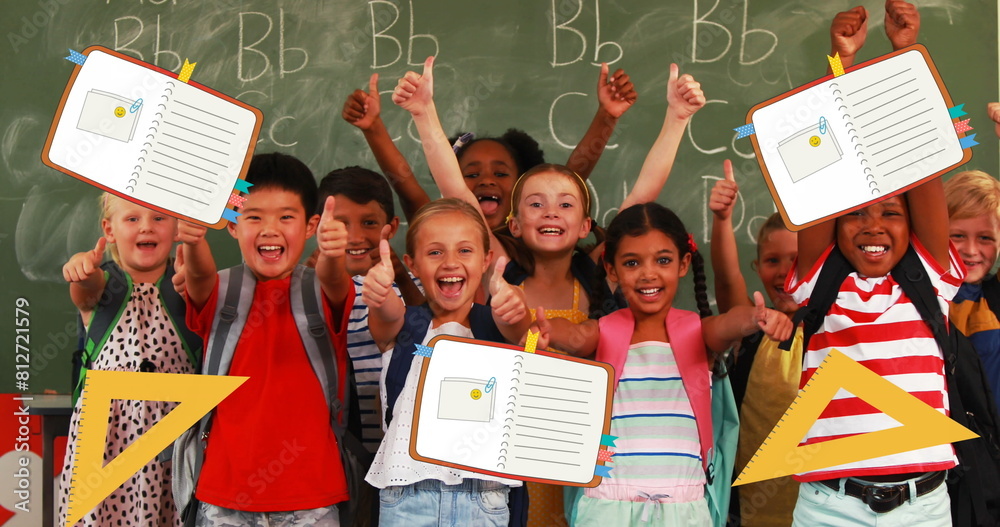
(305, 297)
(912, 278)
(415, 323)
(117, 289)
(236, 288)
(835, 270)
(175, 308)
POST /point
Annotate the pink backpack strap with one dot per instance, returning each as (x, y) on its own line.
(684, 328)
(616, 335)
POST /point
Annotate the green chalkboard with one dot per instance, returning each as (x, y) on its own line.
(526, 64)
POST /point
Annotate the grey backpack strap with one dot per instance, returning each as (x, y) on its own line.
(306, 296)
(236, 287)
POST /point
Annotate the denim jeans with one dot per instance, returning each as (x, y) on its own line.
(472, 503)
(214, 516)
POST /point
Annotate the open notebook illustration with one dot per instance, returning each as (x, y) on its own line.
(502, 411)
(146, 135)
(848, 140)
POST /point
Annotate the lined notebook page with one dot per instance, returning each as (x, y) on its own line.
(196, 153)
(147, 135)
(504, 411)
(901, 119)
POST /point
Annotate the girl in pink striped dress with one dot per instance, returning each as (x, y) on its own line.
(662, 357)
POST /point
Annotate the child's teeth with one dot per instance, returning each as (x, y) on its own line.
(452, 279)
(648, 291)
(270, 247)
(357, 251)
(873, 248)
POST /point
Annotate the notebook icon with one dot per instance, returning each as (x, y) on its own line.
(109, 115)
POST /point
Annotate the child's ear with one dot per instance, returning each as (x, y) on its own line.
(610, 271)
(106, 228)
(487, 261)
(754, 264)
(585, 227)
(408, 262)
(231, 227)
(311, 225)
(393, 226)
(684, 265)
(514, 226)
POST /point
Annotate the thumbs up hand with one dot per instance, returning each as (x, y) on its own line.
(332, 234)
(684, 94)
(724, 193)
(83, 265)
(179, 279)
(507, 301)
(415, 92)
(363, 108)
(378, 281)
(775, 324)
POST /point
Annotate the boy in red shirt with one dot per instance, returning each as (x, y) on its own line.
(271, 455)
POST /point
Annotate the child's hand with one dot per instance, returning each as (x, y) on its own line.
(378, 282)
(684, 95)
(615, 94)
(331, 235)
(82, 266)
(397, 264)
(775, 324)
(179, 279)
(724, 193)
(415, 92)
(508, 301)
(848, 32)
(993, 109)
(362, 108)
(190, 233)
(543, 327)
(902, 23)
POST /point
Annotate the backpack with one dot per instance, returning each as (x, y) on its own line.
(974, 485)
(236, 287)
(109, 309)
(415, 324)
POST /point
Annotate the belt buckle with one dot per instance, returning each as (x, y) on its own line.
(882, 499)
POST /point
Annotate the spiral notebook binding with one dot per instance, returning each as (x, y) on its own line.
(853, 134)
(150, 135)
(515, 382)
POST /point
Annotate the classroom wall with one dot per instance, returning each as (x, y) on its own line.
(527, 64)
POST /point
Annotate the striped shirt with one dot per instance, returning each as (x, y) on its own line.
(367, 361)
(658, 451)
(876, 324)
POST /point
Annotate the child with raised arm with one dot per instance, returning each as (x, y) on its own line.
(490, 165)
(662, 357)
(447, 249)
(135, 322)
(281, 413)
(765, 379)
(974, 225)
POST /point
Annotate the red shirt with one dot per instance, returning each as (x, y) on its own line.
(270, 445)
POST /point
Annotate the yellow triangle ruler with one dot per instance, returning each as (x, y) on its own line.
(92, 479)
(781, 455)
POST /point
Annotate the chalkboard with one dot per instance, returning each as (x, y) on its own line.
(528, 64)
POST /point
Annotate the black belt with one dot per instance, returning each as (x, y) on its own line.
(884, 498)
